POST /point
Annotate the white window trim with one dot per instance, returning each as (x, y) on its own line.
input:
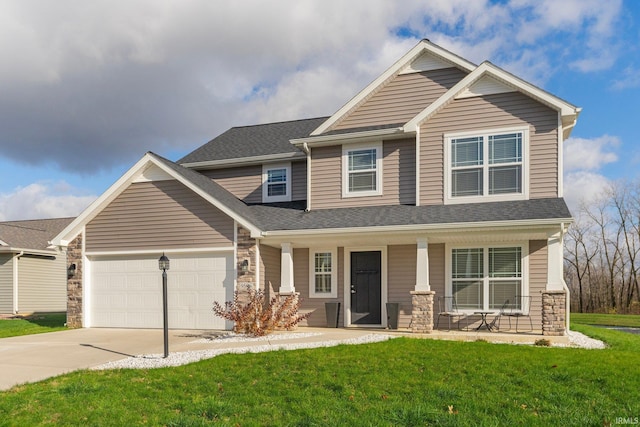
(312, 273)
(449, 199)
(345, 169)
(265, 193)
(524, 246)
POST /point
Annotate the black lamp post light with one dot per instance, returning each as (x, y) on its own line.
(163, 264)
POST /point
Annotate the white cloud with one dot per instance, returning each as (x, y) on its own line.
(589, 154)
(629, 79)
(43, 200)
(583, 187)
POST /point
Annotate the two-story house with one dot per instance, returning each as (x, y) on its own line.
(440, 178)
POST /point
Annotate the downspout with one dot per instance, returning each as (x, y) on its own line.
(307, 150)
(16, 258)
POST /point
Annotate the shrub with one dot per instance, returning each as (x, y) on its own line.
(542, 342)
(254, 316)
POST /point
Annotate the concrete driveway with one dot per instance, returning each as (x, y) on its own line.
(32, 358)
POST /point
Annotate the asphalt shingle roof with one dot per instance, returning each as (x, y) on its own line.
(272, 218)
(256, 140)
(32, 234)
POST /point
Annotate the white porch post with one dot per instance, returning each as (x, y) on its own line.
(554, 262)
(286, 269)
(422, 265)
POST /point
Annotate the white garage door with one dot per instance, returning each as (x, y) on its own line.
(126, 292)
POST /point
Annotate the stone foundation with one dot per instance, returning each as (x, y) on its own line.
(554, 313)
(74, 284)
(422, 311)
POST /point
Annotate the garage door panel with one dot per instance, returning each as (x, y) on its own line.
(127, 292)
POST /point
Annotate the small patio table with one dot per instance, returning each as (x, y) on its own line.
(483, 319)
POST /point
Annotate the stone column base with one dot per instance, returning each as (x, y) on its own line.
(554, 313)
(422, 311)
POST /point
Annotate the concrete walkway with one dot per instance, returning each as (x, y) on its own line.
(33, 358)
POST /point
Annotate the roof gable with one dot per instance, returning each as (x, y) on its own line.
(496, 79)
(425, 56)
(151, 167)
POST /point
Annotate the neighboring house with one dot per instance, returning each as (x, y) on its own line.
(33, 274)
(439, 178)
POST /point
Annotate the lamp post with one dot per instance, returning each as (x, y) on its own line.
(163, 264)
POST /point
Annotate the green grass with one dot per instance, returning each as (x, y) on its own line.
(34, 324)
(403, 382)
(606, 319)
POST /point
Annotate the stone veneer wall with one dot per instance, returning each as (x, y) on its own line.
(74, 284)
(422, 311)
(554, 313)
(246, 250)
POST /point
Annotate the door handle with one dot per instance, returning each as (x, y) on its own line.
(353, 289)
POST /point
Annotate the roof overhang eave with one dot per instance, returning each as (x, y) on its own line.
(430, 228)
(243, 161)
(319, 141)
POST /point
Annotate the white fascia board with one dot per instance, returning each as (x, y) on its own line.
(432, 228)
(568, 111)
(76, 226)
(29, 251)
(3, 243)
(422, 47)
(345, 138)
(242, 161)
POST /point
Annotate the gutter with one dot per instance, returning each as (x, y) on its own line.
(522, 224)
(348, 137)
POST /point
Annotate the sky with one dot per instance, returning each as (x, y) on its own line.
(86, 88)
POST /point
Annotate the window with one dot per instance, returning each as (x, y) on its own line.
(484, 278)
(276, 183)
(323, 278)
(362, 170)
(488, 165)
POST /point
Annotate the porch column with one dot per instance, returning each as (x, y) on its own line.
(555, 262)
(422, 265)
(286, 269)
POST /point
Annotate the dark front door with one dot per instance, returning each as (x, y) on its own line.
(366, 303)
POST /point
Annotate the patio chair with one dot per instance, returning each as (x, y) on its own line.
(503, 310)
(448, 308)
(521, 308)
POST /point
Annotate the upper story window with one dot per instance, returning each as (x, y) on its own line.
(362, 170)
(276, 183)
(484, 166)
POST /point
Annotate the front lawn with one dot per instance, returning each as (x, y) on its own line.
(34, 324)
(402, 382)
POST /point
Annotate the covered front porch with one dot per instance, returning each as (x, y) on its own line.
(364, 270)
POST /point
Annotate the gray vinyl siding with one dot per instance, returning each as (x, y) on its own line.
(398, 172)
(42, 284)
(270, 265)
(491, 112)
(159, 215)
(244, 182)
(401, 279)
(316, 305)
(6, 284)
(299, 180)
(537, 281)
(402, 98)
